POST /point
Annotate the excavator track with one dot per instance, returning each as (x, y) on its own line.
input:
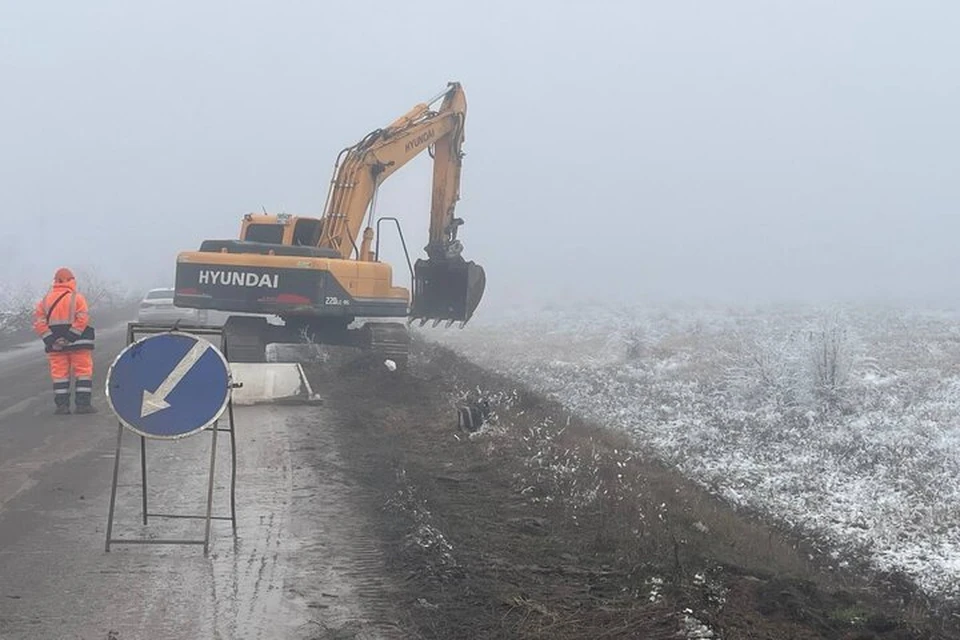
(387, 340)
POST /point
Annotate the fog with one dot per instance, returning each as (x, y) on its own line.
(616, 151)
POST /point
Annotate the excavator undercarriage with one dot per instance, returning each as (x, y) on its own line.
(248, 336)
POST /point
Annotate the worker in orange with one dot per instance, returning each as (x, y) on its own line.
(62, 320)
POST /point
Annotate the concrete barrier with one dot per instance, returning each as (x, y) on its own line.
(268, 382)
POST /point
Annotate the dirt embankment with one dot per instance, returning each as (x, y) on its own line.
(544, 526)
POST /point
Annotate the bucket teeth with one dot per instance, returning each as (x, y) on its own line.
(447, 322)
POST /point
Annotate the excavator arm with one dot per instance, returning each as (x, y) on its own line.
(445, 286)
(362, 168)
(447, 160)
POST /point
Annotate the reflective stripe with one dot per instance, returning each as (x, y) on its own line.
(61, 392)
(85, 385)
(47, 334)
(76, 342)
(84, 378)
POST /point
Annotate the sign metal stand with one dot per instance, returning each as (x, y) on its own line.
(176, 364)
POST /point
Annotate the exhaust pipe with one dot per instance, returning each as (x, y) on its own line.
(446, 290)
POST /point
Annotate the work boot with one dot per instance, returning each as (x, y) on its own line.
(82, 397)
(62, 401)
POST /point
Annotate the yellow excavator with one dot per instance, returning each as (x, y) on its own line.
(322, 276)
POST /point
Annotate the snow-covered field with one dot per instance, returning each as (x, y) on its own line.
(842, 424)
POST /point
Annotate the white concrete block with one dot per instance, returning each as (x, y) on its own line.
(264, 382)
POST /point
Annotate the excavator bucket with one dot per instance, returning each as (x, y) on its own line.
(446, 290)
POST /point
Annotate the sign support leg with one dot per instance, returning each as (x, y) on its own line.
(213, 464)
(225, 348)
(143, 475)
(113, 487)
(233, 469)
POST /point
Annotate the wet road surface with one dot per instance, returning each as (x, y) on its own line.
(302, 564)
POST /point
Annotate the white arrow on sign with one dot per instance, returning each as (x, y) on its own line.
(154, 401)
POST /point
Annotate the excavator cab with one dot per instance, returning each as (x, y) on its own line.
(446, 289)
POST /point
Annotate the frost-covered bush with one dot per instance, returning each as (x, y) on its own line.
(831, 362)
(108, 300)
(842, 425)
(16, 309)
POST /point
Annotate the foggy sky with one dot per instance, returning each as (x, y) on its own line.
(615, 150)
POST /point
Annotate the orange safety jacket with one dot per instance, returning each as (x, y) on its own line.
(63, 314)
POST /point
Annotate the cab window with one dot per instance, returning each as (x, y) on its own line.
(269, 233)
(306, 233)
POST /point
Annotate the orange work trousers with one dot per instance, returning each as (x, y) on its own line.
(62, 365)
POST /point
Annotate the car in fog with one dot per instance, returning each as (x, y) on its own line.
(157, 307)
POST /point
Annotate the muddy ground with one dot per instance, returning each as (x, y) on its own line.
(542, 525)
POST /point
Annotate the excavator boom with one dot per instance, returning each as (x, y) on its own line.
(445, 286)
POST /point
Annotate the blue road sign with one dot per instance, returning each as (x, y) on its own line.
(169, 385)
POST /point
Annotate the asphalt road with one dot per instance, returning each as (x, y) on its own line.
(31, 437)
(301, 566)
